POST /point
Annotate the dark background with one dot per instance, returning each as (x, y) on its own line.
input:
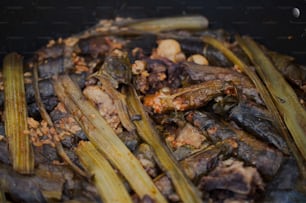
(27, 25)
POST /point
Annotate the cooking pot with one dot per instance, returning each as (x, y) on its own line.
(279, 24)
(28, 25)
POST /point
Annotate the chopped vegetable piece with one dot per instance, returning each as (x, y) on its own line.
(170, 23)
(109, 185)
(16, 127)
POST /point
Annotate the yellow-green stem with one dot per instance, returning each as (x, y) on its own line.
(187, 192)
(15, 109)
(109, 185)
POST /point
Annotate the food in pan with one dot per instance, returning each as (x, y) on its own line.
(157, 110)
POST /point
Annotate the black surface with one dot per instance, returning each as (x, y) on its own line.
(27, 25)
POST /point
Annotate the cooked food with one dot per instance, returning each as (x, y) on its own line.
(154, 110)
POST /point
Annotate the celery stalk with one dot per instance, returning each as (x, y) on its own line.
(170, 23)
(109, 185)
(184, 187)
(15, 109)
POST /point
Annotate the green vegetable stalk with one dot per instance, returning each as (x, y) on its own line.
(187, 192)
(15, 109)
(109, 185)
(170, 23)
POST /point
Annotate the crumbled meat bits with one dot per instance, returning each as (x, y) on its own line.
(187, 135)
(105, 106)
